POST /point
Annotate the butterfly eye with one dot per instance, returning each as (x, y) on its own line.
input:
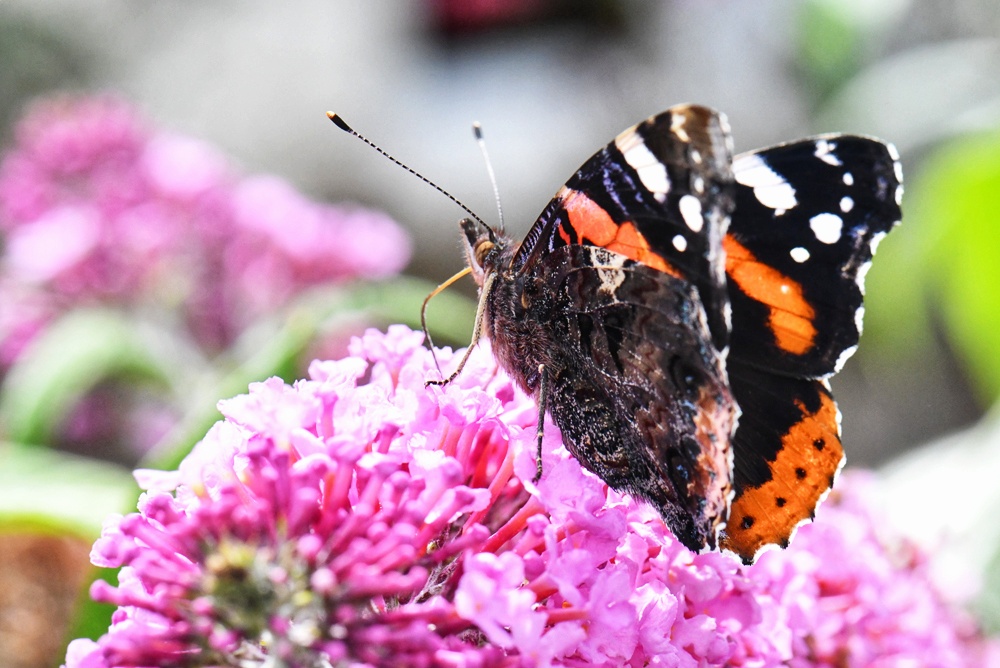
(483, 249)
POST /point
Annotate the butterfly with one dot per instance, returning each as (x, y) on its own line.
(678, 311)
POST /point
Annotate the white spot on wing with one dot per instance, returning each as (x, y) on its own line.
(726, 129)
(848, 179)
(799, 254)
(859, 278)
(876, 240)
(862, 273)
(842, 360)
(846, 204)
(651, 171)
(863, 269)
(677, 127)
(609, 270)
(825, 152)
(691, 212)
(680, 243)
(897, 166)
(769, 187)
(827, 227)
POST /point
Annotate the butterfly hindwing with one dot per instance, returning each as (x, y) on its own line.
(636, 387)
(624, 270)
(786, 450)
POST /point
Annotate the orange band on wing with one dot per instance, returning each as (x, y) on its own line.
(803, 471)
(593, 225)
(791, 319)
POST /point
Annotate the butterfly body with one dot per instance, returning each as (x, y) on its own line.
(677, 311)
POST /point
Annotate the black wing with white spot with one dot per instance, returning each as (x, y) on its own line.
(660, 193)
(808, 217)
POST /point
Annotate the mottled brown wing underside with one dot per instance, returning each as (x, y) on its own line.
(638, 390)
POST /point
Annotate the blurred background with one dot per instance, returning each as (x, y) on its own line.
(179, 219)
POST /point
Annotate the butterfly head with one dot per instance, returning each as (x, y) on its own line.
(483, 248)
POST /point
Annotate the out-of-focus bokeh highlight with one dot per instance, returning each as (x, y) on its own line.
(178, 218)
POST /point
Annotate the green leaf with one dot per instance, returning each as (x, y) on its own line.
(45, 491)
(68, 359)
(829, 44)
(275, 348)
(954, 208)
(92, 619)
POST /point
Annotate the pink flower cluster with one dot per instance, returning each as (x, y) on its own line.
(97, 207)
(359, 518)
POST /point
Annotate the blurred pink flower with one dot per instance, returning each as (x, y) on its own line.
(359, 518)
(97, 206)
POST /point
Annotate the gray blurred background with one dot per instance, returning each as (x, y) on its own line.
(550, 82)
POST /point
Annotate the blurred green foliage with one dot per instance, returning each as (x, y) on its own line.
(955, 211)
(938, 277)
(946, 267)
(67, 360)
(828, 45)
(45, 491)
(836, 39)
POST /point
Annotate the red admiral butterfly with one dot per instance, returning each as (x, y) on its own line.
(677, 311)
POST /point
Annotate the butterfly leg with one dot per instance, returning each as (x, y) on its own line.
(423, 312)
(477, 330)
(543, 388)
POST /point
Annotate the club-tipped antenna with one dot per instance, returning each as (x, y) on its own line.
(477, 130)
(339, 122)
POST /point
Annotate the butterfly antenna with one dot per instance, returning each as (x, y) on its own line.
(477, 130)
(339, 122)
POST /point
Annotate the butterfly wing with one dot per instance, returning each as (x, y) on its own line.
(660, 193)
(624, 268)
(808, 217)
(637, 389)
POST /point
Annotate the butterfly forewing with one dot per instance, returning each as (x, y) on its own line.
(808, 216)
(659, 194)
